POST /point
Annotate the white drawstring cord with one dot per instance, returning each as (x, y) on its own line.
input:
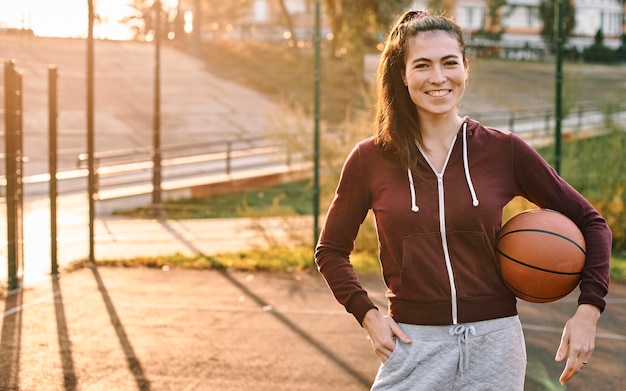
(463, 341)
(414, 206)
(468, 178)
(466, 167)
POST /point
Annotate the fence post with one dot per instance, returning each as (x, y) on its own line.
(13, 168)
(228, 152)
(580, 118)
(512, 122)
(52, 160)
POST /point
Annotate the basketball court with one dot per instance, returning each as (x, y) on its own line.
(153, 329)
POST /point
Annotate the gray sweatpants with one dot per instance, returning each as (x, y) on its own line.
(479, 356)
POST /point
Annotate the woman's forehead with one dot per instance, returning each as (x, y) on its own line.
(432, 43)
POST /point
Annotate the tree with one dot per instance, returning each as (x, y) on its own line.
(143, 21)
(548, 13)
(358, 25)
(447, 7)
(288, 21)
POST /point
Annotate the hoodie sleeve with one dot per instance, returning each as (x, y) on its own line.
(541, 184)
(345, 215)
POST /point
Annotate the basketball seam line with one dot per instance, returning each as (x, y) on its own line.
(536, 267)
(518, 291)
(545, 232)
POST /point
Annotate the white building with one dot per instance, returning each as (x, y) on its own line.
(522, 23)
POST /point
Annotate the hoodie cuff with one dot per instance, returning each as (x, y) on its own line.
(359, 306)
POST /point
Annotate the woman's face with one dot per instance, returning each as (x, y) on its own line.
(435, 73)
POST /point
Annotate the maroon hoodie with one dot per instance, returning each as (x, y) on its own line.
(437, 234)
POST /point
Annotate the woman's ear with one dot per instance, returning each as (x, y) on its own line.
(404, 78)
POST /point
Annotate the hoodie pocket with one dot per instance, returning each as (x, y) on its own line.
(424, 276)
(474, 265)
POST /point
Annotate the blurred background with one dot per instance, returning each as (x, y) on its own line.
(236, 93)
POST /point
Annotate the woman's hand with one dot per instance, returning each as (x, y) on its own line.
(382, 331)
(579, 335)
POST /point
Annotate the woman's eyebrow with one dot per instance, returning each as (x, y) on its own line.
(424, 59)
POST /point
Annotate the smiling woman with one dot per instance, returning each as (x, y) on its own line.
(66, 18)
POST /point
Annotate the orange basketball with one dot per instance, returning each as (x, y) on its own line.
(541, 254)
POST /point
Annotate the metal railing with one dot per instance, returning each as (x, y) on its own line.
(533, 120)
(129, 171)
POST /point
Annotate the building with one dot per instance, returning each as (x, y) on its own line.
(522, 24)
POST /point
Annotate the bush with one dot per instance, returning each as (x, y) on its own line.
(596, 168)
(620, 53)
(598, 53)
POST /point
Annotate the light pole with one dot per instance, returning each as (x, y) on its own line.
(558, 109)
(157, 207)
(316, 130)
(91, 178)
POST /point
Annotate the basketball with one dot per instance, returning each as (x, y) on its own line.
(541, 254)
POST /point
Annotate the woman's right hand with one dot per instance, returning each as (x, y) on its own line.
(382, 332)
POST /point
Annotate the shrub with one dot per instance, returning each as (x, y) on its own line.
(598, 53)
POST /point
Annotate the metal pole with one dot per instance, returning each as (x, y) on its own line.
(11, 156)
(52, 163)
(19, 172)
(157, 207)
(91, 179)
(316, 135)
(559, 87)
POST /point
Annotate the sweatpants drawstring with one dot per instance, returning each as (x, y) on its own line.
(463, 332)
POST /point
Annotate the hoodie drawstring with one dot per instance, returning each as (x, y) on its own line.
(468, 178)
(414, 206)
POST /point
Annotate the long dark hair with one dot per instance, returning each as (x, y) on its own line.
(397, 124)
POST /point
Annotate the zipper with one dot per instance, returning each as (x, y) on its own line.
(446, 252)
(442, 228)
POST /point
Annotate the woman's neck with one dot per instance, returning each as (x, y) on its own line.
(438, 131)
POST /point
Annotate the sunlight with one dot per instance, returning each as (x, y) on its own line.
(66, 18)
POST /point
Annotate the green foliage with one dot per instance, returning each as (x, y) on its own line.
(618, 268)
(288, 199)
(598, 53)
(492, 28)
(620, 53)
(285, 75)
(547, 11)
(595, 166)
(278, 258)
(357, 26)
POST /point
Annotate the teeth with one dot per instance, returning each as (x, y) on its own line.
(438, 93)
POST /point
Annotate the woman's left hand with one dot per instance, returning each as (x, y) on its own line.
(578, 340)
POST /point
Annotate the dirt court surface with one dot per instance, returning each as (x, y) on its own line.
(152, 329)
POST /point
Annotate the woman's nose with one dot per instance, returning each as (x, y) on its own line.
(437, 75)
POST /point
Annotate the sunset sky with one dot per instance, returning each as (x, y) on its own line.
(65, 18)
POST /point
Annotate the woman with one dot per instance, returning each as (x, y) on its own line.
(437, 184)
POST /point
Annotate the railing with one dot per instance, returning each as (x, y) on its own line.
(543, 120)
(129, 171)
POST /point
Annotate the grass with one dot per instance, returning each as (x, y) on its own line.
(286, 76)
(286, 259)
(288, 199)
